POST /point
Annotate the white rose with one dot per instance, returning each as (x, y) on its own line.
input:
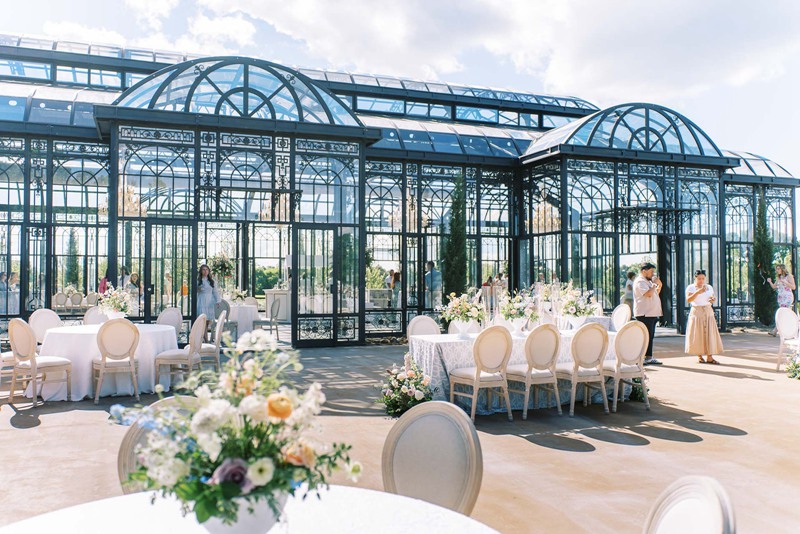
(402, 376)
(211, 444)
(419, 395)
(404, 389)
(254, 407)
(260, 472)
(209, 418)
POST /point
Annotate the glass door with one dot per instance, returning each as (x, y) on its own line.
(169, 274)
(601, 277)
(316, 291)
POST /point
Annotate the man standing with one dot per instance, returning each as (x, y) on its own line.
(647, 305)
(433, 286)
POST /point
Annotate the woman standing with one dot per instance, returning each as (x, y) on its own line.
(207, 294)
(134, 288)
(702, 334)
(785, 286)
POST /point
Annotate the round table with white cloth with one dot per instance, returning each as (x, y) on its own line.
(79, 345)
(437, 355)
(244, 315)
(340, 509)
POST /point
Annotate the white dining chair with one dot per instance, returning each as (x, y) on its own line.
(491, 352)
(432, 453)
(598, 310)
(94, 316)
(588, 349)
(542, 349)
(251, 301)
(271, 322)
(173, 317)
(422, 325)
(788, 325)
(230, 326)
(43, 320)
(620, 316)
(91, 299)
(692, 505)
(180, 362)
(60, 301)
(29, 366)
(7, 364)
(75, 302)
(630, 346)
(209, 352)
(117, 340)
(127, 457)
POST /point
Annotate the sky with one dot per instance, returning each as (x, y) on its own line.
(731, 66)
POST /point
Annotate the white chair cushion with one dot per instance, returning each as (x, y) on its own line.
(469, 372)
(208, 348)
(520, 370)
(611, 365)
(114, 363)
(46, 361)
(174, 354)
(566, 369)
(8, 357)
(793, 342)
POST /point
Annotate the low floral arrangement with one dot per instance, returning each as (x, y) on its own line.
(404, 388)
(221, 266)
(114, 300)
(575, 303)
(249, 439)
(238, 295)
(637, 394)
(70, 290)
(793, 367)
(461, 309)
(521, 305)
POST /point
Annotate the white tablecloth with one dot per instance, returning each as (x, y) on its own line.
(437, 355)
(79, 345)
(340, 510)
(244, 314)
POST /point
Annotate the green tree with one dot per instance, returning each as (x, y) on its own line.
(266, 278)
(454, 278)
(72, 274)
(763, 256)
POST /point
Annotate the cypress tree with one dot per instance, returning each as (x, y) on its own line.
(763, 256)
(454, 277)
(71, 276)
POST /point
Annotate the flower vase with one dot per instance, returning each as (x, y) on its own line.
(261, 520)
(577, 322)
(461, 327)
(517, 325)
(115, 315)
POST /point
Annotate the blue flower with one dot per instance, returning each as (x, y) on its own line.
(117, 411)
(296, 484)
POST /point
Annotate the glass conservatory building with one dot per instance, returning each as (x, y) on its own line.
(317, 184)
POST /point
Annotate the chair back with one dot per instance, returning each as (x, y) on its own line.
(60, 299)
(631, 343)
(492, 349)
(222, 306)
(589, 345)
(91, 299)
(274, 308)
(422, 325)
(543, 347)
(127, 459)
(173, 317)
(547, 318)
(94, 316)
(43, 320)
(251, 301)
(598, 309)
(787, 323)
(433, 453)
(23, 342)
(196, 334)
(620, 316)
(117, 339)
(692, 504)
(219, 329)
(76, 299)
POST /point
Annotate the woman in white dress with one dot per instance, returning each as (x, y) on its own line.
(207, 293)
(702, 334)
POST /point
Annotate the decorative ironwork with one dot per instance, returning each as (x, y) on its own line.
(328, 147)
(315, 328)
(741, 313)
(347, 329)
(383, 322)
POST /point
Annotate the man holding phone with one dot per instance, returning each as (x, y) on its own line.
(647, 305)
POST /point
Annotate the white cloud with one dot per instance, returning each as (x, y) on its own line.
(152, 12)
(72, 31)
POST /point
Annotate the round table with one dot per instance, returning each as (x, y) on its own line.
(340, 510)
(244, 315)
(79, 345)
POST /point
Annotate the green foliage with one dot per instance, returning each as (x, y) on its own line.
(793, 368)
(72, 275)
(763, 256)
(404, 388)
(375, 277)
(454, 276)
(266, 278)
(637, 395)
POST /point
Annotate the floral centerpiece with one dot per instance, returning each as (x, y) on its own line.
(70, 290)
(462, 310)
(221, 266)
(793, 367)
(247, 444)
(576, 305)
(519, 308)
(114, 302)
(404, 388)
(238, 295)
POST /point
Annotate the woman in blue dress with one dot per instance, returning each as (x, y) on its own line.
(207, 294)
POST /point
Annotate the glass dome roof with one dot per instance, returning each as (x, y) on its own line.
(238, 87)
(754, 165)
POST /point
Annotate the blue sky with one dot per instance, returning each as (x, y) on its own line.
(731, 66)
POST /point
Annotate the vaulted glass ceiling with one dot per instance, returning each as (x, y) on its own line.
(50, 105)
(755, 165)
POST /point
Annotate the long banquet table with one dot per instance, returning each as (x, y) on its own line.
(79, 345)
(437, 355)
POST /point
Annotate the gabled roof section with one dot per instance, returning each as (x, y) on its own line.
(238, 87)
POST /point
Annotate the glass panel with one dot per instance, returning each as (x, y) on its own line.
(466, 113)
(72, 75)
(315, 271)
(170, 266)
(12, 108)
(24, 69)
(380, 105)
(50, 112)
(132, 260)
(10, 268)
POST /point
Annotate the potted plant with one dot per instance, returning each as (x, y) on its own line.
(404, 388)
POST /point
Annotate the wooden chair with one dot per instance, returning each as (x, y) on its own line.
(43, 320)
(433, 453)
(620, 316)
(28, 366)
(91, 299)
(181, 361)
(75, 302)
(630, 346)
(209, 352)
(94, 316)
(117, 341)
(542, 349)
(588, 348)
(60, 301)
(127, 459)
(692, 504)
(491, 351)
(272, 321)
(172, 317)
(251, 301)
(422, 325)
(788, 325)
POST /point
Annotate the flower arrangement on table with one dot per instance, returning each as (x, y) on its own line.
(461, 309)
(249, 439)
(404, 388)
(521, 305)
(793, 366)
(70, 290)
(114, 301)
(221, 266)
(238, 295)
(576, 303)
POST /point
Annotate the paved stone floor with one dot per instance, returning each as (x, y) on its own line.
(590, 473)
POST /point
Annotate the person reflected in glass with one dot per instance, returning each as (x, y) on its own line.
(3, 282)
(785, 286)
(103, 286)
(387, 282)
(134, 289)
(13, 293)
(702, 334)
(627, 297)
(3, 293)
(207, 293)
(124, 277)
(647, 305)
(433, 286)
(396, 289)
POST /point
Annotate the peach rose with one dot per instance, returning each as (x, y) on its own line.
(279, 406)
(301, 453)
